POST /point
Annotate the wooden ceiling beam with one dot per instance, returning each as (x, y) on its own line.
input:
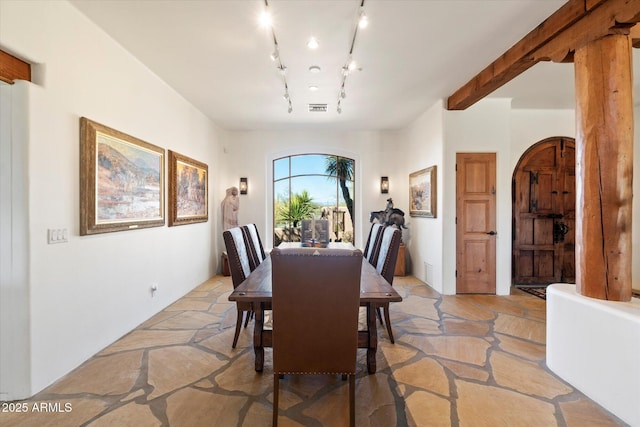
(576, 22)
(12, 68)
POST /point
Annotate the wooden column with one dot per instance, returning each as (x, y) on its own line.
(604, 167)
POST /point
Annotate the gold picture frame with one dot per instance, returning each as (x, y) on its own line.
(188, 190)
(121, 181)
(423, 200)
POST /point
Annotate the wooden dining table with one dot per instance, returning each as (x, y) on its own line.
(374, 291)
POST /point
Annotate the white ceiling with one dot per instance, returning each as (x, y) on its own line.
(414, 52)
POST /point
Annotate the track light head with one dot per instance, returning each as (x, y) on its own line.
(363, 21)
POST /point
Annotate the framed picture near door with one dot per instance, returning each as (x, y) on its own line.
(422, 193)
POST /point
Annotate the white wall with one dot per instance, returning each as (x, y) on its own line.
(86, 293)
(250, 154)
(422, 147)
(482, 128)
(14, 260)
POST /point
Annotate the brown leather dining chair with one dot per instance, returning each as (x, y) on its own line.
(385, 264)
(241, 263)
(316, 297)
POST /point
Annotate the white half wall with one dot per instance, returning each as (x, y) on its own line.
(85, 294)
(594, 345)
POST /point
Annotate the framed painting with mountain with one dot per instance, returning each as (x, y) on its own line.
(188, 198)
(121, 181)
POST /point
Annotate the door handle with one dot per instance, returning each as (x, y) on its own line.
(492, 233)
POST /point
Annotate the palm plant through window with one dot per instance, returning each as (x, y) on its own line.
(313, 185)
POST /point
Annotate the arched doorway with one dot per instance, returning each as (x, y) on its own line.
(544, 201)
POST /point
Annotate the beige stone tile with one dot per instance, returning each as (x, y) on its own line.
(419, 325)
(188, 320)
(464, 308)
(526, 377)
(465, 327)
(259, 414)
(287, 398)
(222, 341)
(394, 353)
(190, 407)
(108, 375)
(241, 376)
(424, 291)
(174, 367)
(331, 409)
(426, 374)
(531, 304)
(585, 413)
(142, 339)
(498, 304)
(215, 283)
(487, 406)
(465, 371)
(463, 349)
(81, 411)
(198, 294)
(195, 304)
(426, 409)
(131, 396)
(375, 403)
(419, 306)
(131, 414)
(223, 308)
(527, 349)
(162, 316)
(520, 327)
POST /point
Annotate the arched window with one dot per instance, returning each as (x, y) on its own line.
(313, 185)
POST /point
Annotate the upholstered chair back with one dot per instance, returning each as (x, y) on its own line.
(316, 296)
(235, 242)
(388, 254)
(372, 247)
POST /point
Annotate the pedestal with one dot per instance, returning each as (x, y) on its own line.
(401, 263)
(225, 265)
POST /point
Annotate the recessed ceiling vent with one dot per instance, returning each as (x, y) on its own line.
(317, 108)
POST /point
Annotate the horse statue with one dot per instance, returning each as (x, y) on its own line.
(396, 217)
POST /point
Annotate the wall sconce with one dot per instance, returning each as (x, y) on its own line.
(244, 185)
(384, 184)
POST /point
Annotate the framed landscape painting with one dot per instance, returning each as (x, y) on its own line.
(121, 181)
(422, 193)
(188, 192)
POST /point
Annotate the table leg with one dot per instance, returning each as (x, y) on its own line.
(373, 338)
(257, 336)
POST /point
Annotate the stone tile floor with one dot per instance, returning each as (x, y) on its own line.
(473, 360)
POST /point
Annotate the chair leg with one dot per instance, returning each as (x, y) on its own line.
(352, 400)
(238, 325)
(379, 315)
(246, 320)
(388, 322)
(276, 392)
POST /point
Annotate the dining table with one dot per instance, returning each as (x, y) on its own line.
(256, 289)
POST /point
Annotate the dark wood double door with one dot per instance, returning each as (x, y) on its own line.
(544, 200)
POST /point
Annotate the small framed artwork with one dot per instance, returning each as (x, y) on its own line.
(121, 181)
(188, 190)
(422, 193)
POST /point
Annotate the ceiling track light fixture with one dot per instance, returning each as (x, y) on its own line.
(265, 19)
(351, 64)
